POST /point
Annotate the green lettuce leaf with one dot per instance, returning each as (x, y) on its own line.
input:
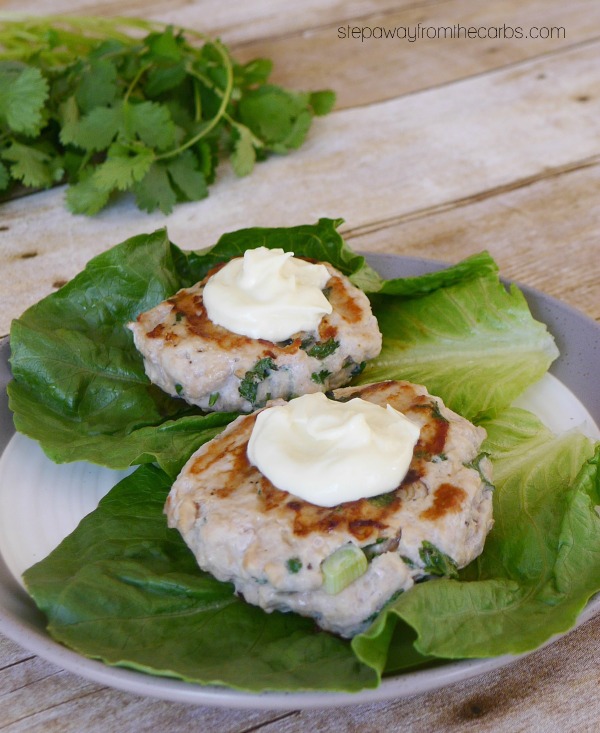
(125, 589)
(320, 241)
(540, 565)
(79, 385)
(463, 335)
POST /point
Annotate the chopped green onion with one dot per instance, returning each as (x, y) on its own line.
(343, 567)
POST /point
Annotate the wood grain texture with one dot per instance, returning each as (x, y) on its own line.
(437, 149)
(552, 689)
(366, 164)
(365, 69)
(527, 229)
(232, 22)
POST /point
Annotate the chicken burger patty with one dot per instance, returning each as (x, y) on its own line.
(189, 356)
(272, 545)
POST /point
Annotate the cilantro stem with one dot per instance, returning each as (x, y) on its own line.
(134, 82)
(219, 92)
(204, 79)
(220, 112)
(197, 103)
(23, 37)
(76, 120)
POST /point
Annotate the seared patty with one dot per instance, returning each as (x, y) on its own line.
(271, 544)
(189, 356)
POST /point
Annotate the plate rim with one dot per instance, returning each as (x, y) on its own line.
(21, 621)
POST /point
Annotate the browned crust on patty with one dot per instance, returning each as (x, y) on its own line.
(189, 318)
(364, 519)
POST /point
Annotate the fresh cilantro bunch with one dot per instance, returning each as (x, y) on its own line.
(123, 104)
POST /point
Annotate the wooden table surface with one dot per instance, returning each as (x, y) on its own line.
(438, 148)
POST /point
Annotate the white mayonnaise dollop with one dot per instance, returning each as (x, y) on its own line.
(267, 294)
(328, 452)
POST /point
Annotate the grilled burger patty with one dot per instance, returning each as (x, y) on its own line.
(271, 544)
(189, 356)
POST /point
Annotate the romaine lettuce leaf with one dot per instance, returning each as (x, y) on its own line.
(79, 386)
(125, 589)
(540, 565)
(470, 341)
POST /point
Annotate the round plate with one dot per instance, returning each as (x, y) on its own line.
(578, 339)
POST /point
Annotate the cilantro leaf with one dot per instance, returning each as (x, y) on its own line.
(297, 135)
(323, 349)
(254, 72)
(32, 165)
(68, 116)
(111, 109)
(320, 377)
(94, 131)
(208, 155)
(85, 197)
(322, 102)
(187, 177)
(23, 92)
(164, 46)
(260, 371)
(97, 85)
(244, 154)
(164, 79)
(435, 562)
(4, 177)
(123, 167)
(154, 190)
(152, 124)
(278, 117)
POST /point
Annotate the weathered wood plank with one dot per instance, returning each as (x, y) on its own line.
(35, 684)
(49, 700)
(528, 695)
(366, 70)
(233, 22)
(524, 697)
(11, 653)
(113, 712)
(20, 674)
(530, 231)
(367, 164)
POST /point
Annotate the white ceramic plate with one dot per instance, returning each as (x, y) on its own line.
(40, 503)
